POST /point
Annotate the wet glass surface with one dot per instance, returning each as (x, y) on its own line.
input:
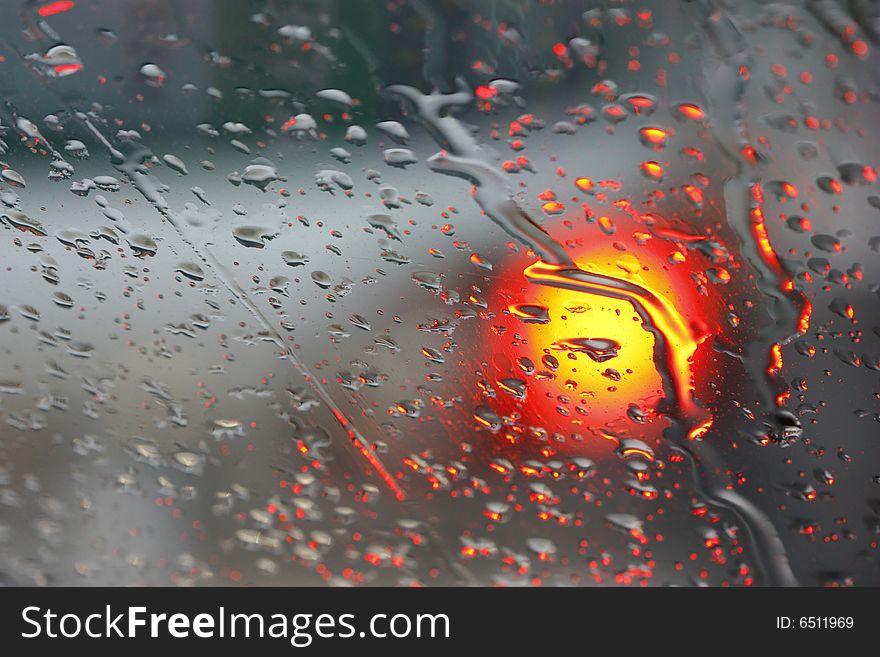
(439, 293)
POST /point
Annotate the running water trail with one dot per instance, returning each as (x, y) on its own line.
(788, 310)
(674, 344)
(129, 164)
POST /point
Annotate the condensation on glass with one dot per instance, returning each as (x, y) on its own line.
(459, 293)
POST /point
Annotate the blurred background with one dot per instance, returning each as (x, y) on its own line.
(250, 333)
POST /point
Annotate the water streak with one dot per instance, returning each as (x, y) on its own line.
(674, 344)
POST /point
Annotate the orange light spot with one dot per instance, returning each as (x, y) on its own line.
(655, 136)
(553, 207)
(701, 429)
(485, 92)
(652, 170)
(640, 103)
(691, 111)
(635, 451)
(775, 359)
(619, 297)
(55, 8)
(584, 184)
(695, 194)
(804, 319)
(64, 69)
